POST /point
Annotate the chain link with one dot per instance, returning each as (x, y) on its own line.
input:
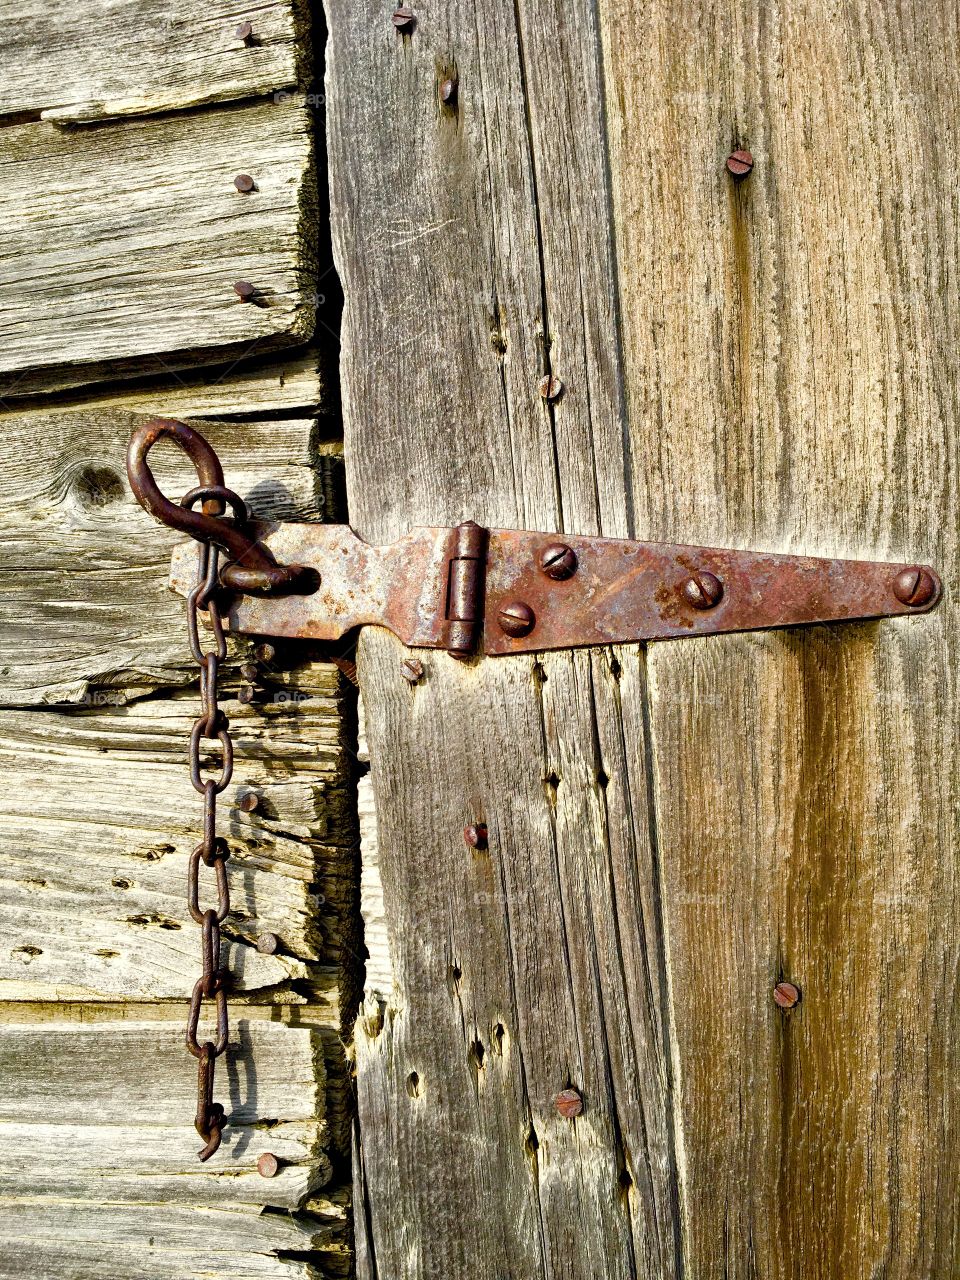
(212, 851)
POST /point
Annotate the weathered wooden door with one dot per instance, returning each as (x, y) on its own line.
(767, 363)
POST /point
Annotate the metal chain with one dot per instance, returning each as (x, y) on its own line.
(212, 851)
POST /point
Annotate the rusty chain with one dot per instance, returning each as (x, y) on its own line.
(212, 851)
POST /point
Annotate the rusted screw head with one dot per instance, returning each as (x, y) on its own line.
(569, 1103)
(248, 802)
(516, 618)
(476, 835)
(412, 670)
(268, 944)
(403, 19)
(244, 290)
(244, 32)
(703, 590)
(739, 163)
(550, 388)
(558, 561)
(243, 182)
(247, 694)
(448, 91)
(249, 671)
(265, 652)
(268, 1165)
(915, 587)
(786, 995)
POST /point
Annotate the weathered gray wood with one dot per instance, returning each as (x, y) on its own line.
(135, 235)
(83, 594)
(107, 58)
(133, 1242)
(102, 1111)
(291, 386)
(94, 856)
(539, 964)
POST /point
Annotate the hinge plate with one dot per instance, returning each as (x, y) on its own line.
(432, 589)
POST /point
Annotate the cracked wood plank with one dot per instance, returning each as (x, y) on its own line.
(66, 1136)
(84, 602)
(805, 781)
(108, 58)
(135, 235)
(539, 964)
(95, 856)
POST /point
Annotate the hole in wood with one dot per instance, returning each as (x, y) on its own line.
(413, 1084)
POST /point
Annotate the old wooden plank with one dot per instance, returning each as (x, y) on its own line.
(94, 856)
(538, 964)
(83, 595)
(128, 1242)
(291, 386)
(806, 782)
(113, 58)
(135, 235)
(102, 1112)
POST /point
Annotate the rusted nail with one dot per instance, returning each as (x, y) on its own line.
(412, 670)
(448, 91)
(247, 694)
(249, 671)
(703, 590)
(244, 290)
(786, 995)
(915, 587)
(476, 835)
(268, 944)
(268, 1165)
(245, 32)
(558, 561)
(403, 19)
(248, 802)
(739, 163)
(516, 618)
(265, 652)
(551, 388)
(243, 182)
(569, 1103)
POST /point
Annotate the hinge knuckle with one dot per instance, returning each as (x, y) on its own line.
(466, 571)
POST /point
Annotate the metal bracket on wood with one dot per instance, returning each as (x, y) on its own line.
(501, 591)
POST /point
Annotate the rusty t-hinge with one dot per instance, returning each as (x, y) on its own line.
(502, 591)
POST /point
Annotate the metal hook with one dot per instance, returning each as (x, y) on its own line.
(252, 569)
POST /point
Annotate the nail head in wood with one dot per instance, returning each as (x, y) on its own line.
(244, 290)
(245, 32)
(475, 835)
(244, 183)
(568, 1103)
(268, 944)
(551, 388)
(786, 995)
(268, 1165)
(248, 802)
(448, 91)
(403, 20)
(739, 163)
(412, 670)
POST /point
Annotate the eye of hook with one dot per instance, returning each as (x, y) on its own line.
(251, 568)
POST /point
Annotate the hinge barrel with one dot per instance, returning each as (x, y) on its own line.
(466, 571)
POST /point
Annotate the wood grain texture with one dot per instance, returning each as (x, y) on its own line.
(805, 781)
(65, 1136)
(84, 601)
(135, 235)
(537, 965)
(113, 58)
(767, 365)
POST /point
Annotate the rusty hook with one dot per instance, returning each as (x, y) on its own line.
(251, 569)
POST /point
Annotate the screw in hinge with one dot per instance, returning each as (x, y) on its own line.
(703, 590)
(558, 561)
(915, 587)
(475, 835)
(786, 995)
(244, 183)
(550, 387)
(739, 163)
(568, 1103)
(516, 618)
(403, 19)
(412, 670)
